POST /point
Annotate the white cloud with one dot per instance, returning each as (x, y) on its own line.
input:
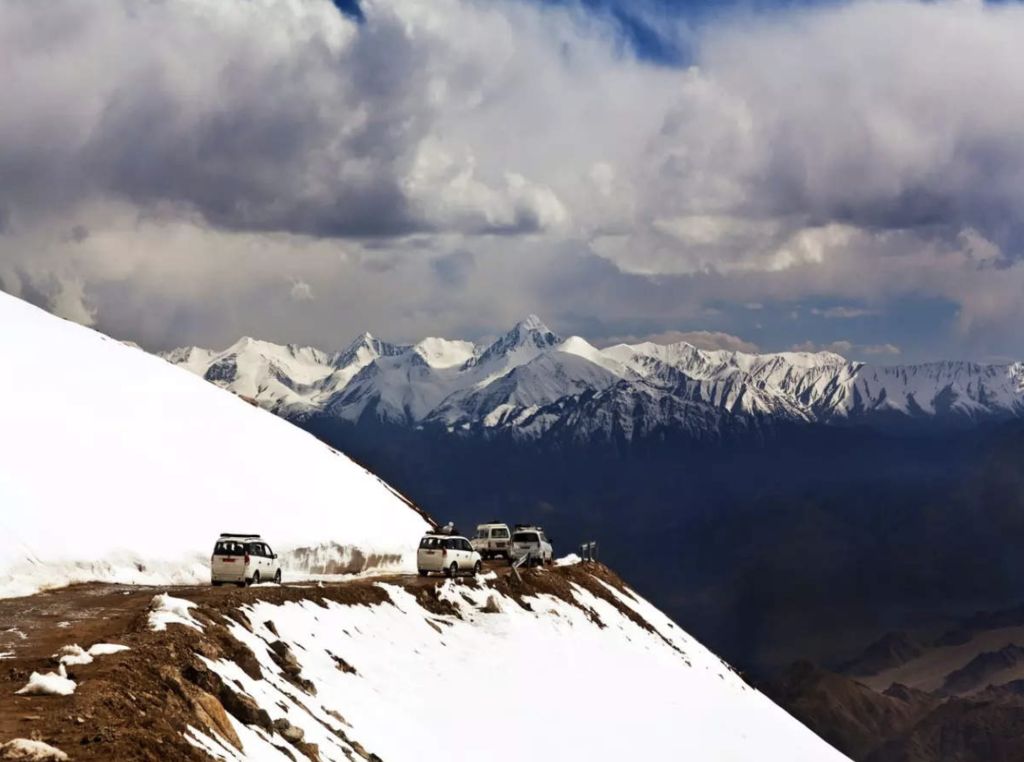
(236, 144)
(881, 349)
(301, 291)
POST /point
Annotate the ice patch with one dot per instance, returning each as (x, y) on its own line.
(25, 750)
(73, 656)
(568, 560)
(6, 654)
(50, 684)
(105, 649)
(168, 610)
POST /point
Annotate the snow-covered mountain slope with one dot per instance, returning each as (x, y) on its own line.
(530, 382)
(590, 672)
(116, 466)
(563, 663)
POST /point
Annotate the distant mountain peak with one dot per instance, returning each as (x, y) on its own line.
(532, 323)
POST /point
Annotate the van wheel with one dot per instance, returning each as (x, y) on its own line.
(277, 576)
(255, 578)
(217, 583)
(453, 569)
(424, 572)
(476, 569)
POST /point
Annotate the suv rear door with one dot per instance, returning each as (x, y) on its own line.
(228, 559)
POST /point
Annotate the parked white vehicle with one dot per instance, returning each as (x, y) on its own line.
(450, 554)
(492, 540)
(533, 543)
(243, 559)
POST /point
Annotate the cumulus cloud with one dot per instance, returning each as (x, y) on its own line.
(845, 154)
(301, 291)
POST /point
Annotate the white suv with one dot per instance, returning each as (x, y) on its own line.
(446, 553)
(492, 540)
(243, 559)
(532, 542)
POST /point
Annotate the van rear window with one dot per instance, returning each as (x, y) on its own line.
(433, 543)
(499, 533)
(525, 537)
(229, 549)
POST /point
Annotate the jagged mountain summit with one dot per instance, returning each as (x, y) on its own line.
(530, 382)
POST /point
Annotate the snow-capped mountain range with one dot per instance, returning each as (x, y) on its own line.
(531, 382)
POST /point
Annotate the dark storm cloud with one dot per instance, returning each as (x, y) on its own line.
(305, 168)
(313, 135)
(454, 269)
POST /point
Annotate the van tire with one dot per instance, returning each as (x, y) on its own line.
(476, 569)
(452, 570)
(277, 576)
(423, 572)
(217, 583)
(255, 579)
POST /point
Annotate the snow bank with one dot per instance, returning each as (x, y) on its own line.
(106, 649)
(24, 750)
(99, 442)
(167, 610)
(73, 656)
(584, 682)
(568, 560)
(50, 684)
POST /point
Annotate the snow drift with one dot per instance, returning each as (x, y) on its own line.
(116, 466)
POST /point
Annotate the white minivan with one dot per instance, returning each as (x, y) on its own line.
(446, 553)
(492, 540)
(243, 559)
(531, 542)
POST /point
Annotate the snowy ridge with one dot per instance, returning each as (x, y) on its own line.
(588, 669)
(131, 472)
(531, 382)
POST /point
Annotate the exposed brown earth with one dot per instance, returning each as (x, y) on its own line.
(957, 719)
(892, 650)
(846, 713)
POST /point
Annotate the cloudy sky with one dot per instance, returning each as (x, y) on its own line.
(847, 176)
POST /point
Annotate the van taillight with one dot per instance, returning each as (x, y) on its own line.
(444, 552)
(247, 559)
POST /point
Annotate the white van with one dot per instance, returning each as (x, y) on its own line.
(446, 553)
(492, 540)
(243, 559)
(531, 542)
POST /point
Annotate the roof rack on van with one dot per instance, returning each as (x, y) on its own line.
(237, 534)
(526, 526)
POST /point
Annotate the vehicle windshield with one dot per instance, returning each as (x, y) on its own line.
(433, 543)
(229, 548)
(524, 537)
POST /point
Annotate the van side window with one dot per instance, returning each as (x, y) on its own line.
(466, 545)
(268, 551)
